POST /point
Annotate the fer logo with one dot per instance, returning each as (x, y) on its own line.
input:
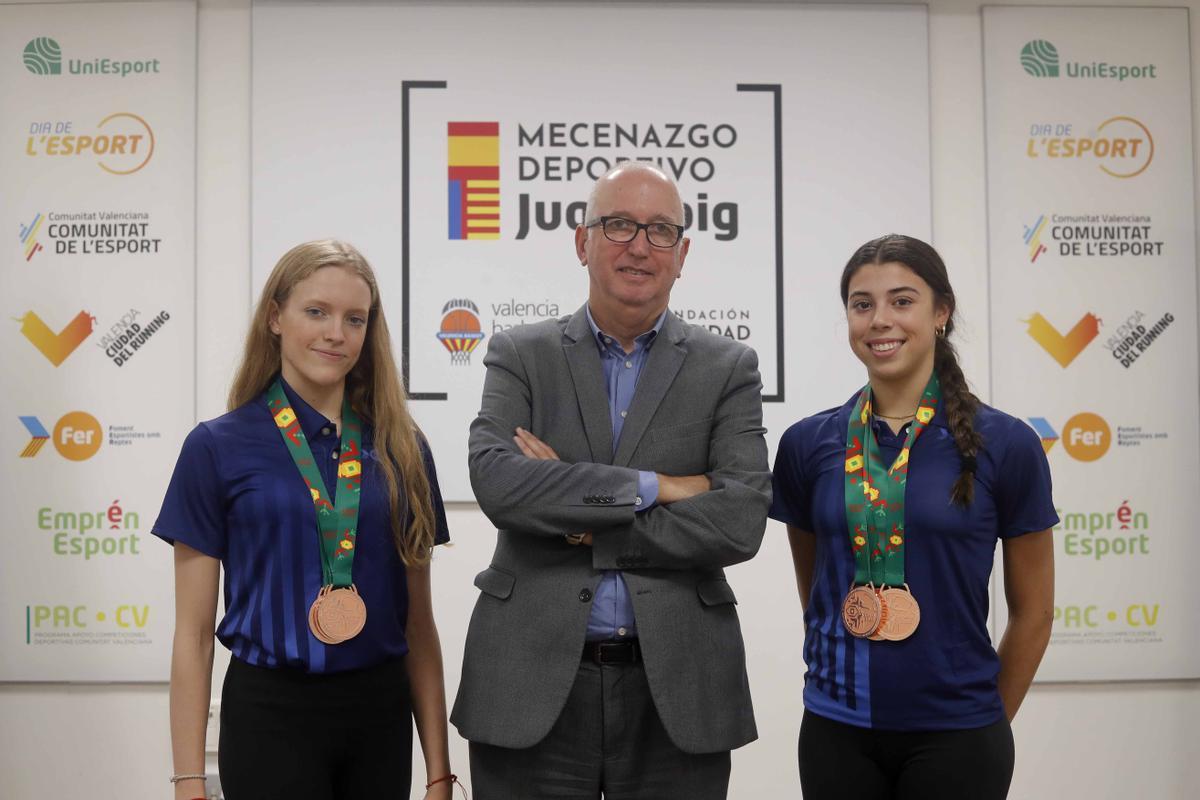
(1064, 348)
(57, 346)
(77, 436)
(1086, 436)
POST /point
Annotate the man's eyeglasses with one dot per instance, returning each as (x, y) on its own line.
(623, 231)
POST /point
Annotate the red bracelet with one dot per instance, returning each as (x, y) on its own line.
(451, 777)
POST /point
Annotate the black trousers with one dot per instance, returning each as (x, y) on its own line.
(289, 734)
(608, 740)
(844, 762)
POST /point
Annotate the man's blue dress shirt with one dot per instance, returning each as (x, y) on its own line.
(612, 609)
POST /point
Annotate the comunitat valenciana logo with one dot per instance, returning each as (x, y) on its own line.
(1040, 59)
(120, 143)
(44, 56)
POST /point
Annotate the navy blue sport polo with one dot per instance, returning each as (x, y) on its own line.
(944, 676)
(236, 495)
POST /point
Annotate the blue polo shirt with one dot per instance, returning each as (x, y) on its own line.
(944, 676)
(236, 495)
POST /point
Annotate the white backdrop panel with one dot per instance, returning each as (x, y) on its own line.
(98, 167)
(1091, 225)
(791, 150)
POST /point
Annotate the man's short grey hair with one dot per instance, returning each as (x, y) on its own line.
(630, 166)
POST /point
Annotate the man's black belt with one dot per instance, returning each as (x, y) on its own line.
(625, 651)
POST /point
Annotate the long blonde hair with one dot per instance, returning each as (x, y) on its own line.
(373, 387)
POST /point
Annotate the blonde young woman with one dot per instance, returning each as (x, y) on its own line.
(317, 495)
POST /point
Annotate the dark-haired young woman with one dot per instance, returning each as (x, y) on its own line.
(893, 504)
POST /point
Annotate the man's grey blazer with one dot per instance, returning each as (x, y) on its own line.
(697, 410)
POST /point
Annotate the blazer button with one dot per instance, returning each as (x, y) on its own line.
(585, 595)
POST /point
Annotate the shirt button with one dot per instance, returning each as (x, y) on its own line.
(637, 501)
(607, 340)
(325, 431)
(621, 631)
(334, 455)
(628, 364)
(585, 595)
(623, 413)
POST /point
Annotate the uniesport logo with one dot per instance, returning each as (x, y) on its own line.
(77, 436)
(461, 331)
(29, 242)
(473, 174)
(1040, 59)
(43, 56)
(57, 346)
(1033, 238)
(1085, 437)
(1064, 348)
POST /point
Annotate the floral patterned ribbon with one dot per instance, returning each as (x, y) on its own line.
(337, 526)
(875, 491)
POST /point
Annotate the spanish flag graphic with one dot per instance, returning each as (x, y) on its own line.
(473, 171)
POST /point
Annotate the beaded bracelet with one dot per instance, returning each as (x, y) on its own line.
(199, 776)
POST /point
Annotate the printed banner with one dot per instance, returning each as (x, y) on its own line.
(1092, 233)
(97, 160)
(457, 146)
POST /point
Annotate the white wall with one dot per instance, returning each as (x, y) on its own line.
(1091, 741)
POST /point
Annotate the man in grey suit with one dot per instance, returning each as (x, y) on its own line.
(620, 452)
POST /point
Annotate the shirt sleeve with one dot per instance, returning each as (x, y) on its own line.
(791, 498)
(193, 511)
(647, 491)
(441, 533)
(1023, 494)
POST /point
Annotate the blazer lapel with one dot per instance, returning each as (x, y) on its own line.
(666, 358)
(583, 359)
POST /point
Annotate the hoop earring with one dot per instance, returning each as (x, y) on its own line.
(940, 331)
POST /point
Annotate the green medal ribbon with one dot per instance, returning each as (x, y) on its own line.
(875, 491)
(337, 525)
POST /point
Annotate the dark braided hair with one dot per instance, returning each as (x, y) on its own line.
(957, 400)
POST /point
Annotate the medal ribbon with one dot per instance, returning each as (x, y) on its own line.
(337, 526)
(875, 491)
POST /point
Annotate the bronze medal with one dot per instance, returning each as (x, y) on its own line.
(861, 611)
(903, 614)
(340, 614)
(877, 634)
(313, 624)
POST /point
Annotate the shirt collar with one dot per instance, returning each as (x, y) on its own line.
(939, 416)
(642, 341)
(311, 421)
